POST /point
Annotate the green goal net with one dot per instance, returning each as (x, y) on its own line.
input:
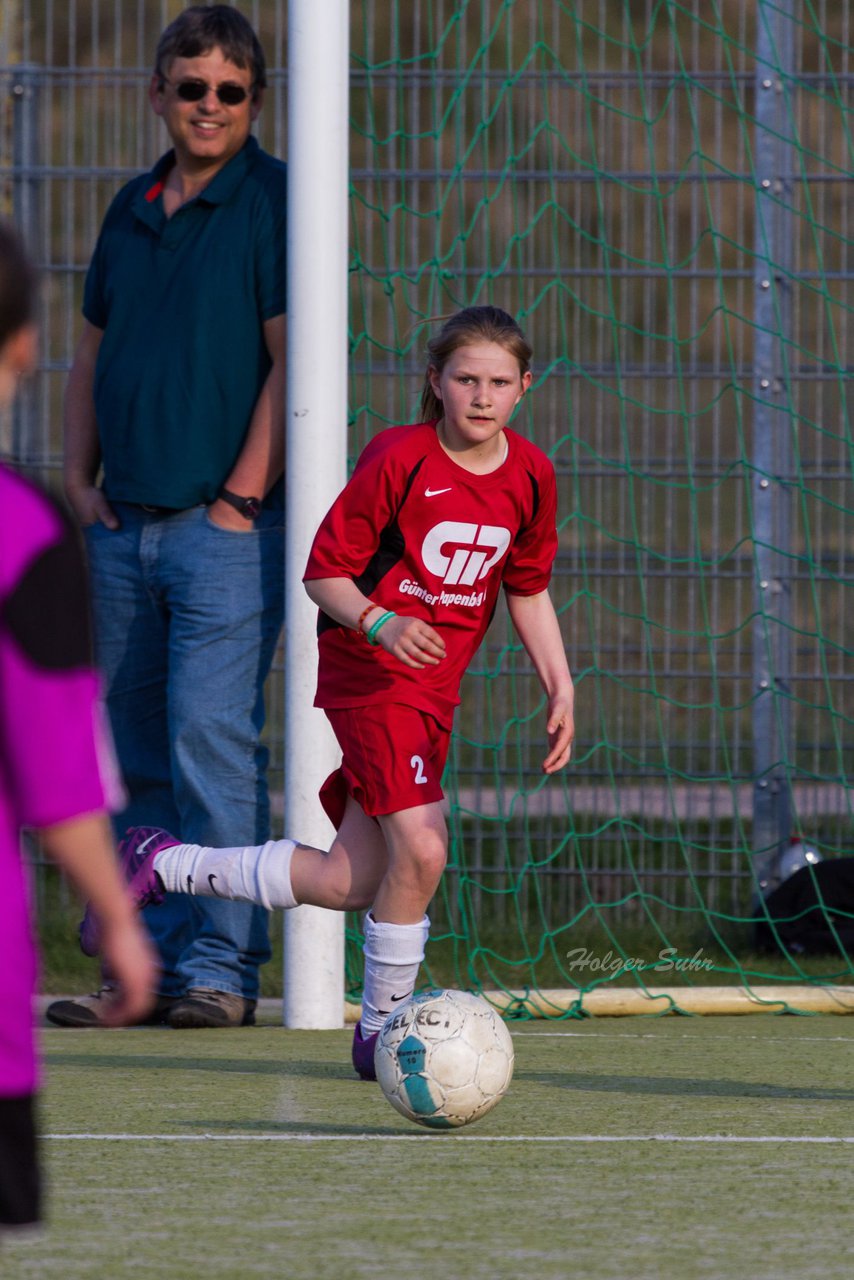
(661, 193)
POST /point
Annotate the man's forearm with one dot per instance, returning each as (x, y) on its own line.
(82, 448)
(261, 460)
(81, 452)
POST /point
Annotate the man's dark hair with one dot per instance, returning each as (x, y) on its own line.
(203, 27)
(17, 284)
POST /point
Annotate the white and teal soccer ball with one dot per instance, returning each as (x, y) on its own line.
(444, 1058)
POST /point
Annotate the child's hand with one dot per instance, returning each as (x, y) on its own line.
(561, 731)
(131, 960)
(412, 641)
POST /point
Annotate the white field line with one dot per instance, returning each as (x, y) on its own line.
(725, 1139)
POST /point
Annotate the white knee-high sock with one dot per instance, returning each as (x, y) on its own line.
(258, 873)
(393, 954)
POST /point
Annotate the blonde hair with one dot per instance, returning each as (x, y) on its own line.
(472, 324)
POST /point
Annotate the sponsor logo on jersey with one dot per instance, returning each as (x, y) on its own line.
(460, 553)
(409, 588)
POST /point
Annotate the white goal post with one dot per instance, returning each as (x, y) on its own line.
(316, 415)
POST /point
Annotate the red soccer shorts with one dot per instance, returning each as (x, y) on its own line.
(394, 757)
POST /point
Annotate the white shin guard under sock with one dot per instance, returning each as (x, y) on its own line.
(393, 955)
(259, 873)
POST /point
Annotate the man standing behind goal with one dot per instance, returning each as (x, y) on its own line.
(177, 392)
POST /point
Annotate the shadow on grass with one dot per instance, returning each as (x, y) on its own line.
(672, 1086)
(181, 1062)
(249, 1128)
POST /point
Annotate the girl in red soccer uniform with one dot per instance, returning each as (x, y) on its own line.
(405, 570)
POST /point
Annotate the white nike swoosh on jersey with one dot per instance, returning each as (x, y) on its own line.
(431, 493)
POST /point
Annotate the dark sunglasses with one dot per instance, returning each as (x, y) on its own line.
(230, 95)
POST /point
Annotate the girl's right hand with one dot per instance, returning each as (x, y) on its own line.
(413, 642)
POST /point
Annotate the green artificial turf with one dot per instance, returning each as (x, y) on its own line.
(621, 1151)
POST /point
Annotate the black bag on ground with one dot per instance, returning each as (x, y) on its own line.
(812, 912)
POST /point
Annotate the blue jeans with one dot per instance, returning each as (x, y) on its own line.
(187, 618)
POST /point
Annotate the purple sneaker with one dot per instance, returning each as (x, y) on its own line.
(136, 855)
(363, 1053)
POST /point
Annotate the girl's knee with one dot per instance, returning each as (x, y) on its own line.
(437, 857)
(359, 899)
(427, 860)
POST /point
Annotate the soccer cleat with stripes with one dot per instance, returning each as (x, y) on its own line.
(136, 855)
(363, 1053)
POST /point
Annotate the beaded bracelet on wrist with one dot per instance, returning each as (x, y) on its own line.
(368, 609)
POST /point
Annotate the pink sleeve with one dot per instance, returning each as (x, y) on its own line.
(56, 754)
(57, 746)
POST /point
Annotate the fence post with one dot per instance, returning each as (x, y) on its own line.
(773, 452)
(25, 214)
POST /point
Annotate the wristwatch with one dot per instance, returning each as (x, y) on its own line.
(249, 508)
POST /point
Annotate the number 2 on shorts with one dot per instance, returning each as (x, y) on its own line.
(418, 765)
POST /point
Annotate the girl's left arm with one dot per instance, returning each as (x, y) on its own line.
(537, 626)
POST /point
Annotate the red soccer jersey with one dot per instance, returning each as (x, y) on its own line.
(423, 536)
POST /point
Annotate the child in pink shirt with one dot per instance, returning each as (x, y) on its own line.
(56, 767)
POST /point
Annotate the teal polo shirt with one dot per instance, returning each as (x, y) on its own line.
(182, 303)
